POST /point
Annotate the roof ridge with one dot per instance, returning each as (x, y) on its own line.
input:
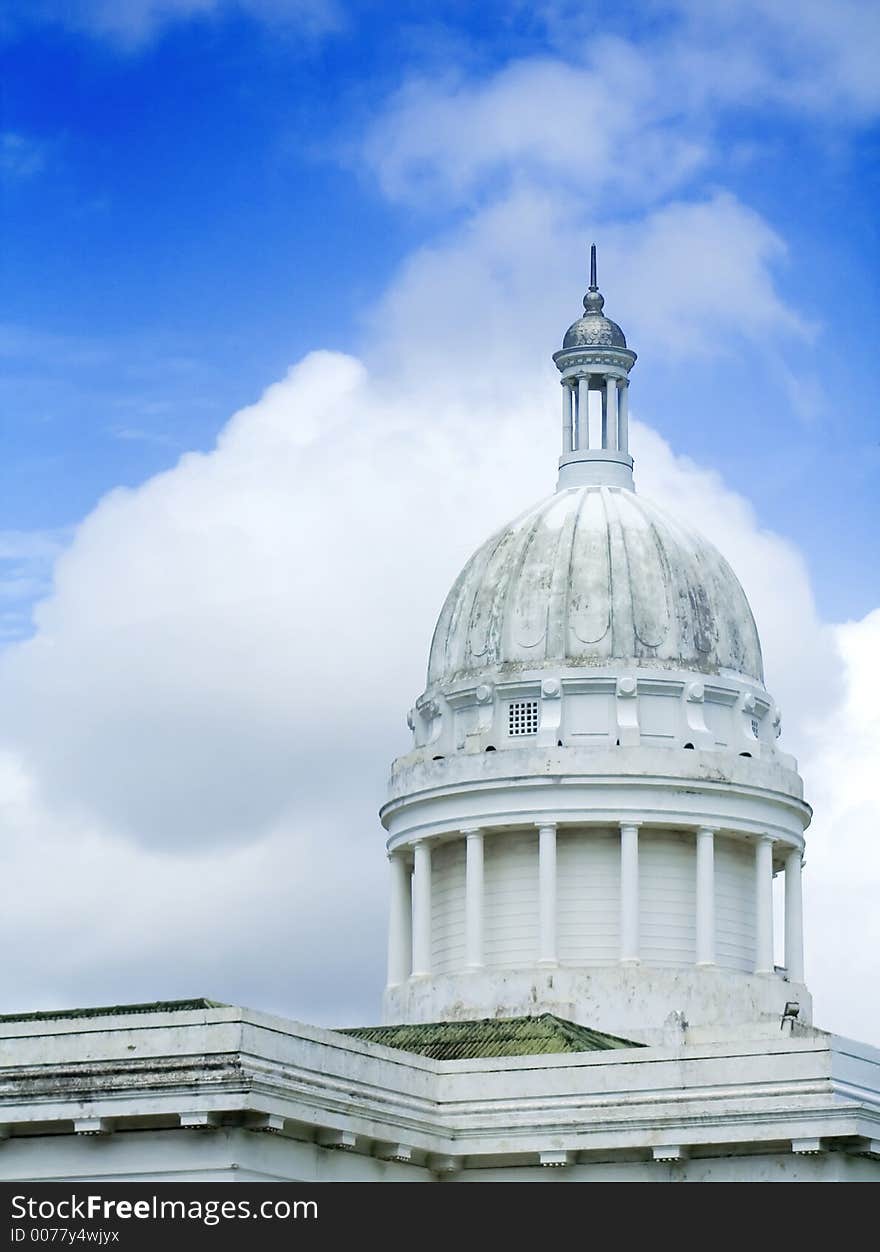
(527, 1035)
(116, 1010)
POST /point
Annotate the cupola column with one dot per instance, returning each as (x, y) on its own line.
(583, 414)
(474, 897)
(764, 905)
(629, 892)
(705, 896)
(547, 893)
(609, 424)
(567, 418)
(623, 417)
(400, 920)
(422, 910)
(794, 917)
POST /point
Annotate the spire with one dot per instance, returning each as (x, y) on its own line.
(595, 364)
(594, 301)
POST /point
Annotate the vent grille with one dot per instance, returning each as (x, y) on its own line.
(522, 717)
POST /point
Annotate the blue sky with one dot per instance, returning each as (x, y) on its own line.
(187, 210)
(281, 284)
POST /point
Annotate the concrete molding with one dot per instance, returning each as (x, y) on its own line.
(271, 1123)
(399, 1152)
(341, 1140)
(445, 1164)
(92, 1126)
(554, 1160)
(198, 1121)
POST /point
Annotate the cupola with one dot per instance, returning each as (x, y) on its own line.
(595, 803)
(595, 362)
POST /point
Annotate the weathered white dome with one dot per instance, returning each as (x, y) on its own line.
(591, 576)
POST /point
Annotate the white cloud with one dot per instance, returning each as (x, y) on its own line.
(26, 562)
(587, 128)
(843, 877)
(616, 120)
(816, 57)
(764, 562)
(96, 919)
(132, 23)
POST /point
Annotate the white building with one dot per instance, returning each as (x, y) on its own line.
(583, 840)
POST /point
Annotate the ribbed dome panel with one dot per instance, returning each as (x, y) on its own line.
(590, 576)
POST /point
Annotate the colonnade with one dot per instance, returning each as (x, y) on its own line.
(409, 948)
(576, 413)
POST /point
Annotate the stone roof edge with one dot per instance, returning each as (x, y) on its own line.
(194, 1004)
(779, 1104)
(150, 1016)
(159, 1014)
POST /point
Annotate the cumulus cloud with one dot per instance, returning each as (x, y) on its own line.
(197, 736)
(96, 919)
(843, 875)
(764, 563)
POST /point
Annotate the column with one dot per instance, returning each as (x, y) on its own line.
(422, 910)
(473, 899)
(705, 896)
(400, 920)
(583, 431)
(567, 415)
(764, 905)
(794, 917)
(623, 417)
(547, 893)
(611, 413)
(629, 892)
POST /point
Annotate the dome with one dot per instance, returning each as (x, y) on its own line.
(594, 329)
(593, 332)
(593, 576)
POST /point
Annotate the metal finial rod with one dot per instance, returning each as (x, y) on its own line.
(593, 267)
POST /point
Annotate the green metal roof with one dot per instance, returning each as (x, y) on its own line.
(505, 1036)
(114, 1010)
